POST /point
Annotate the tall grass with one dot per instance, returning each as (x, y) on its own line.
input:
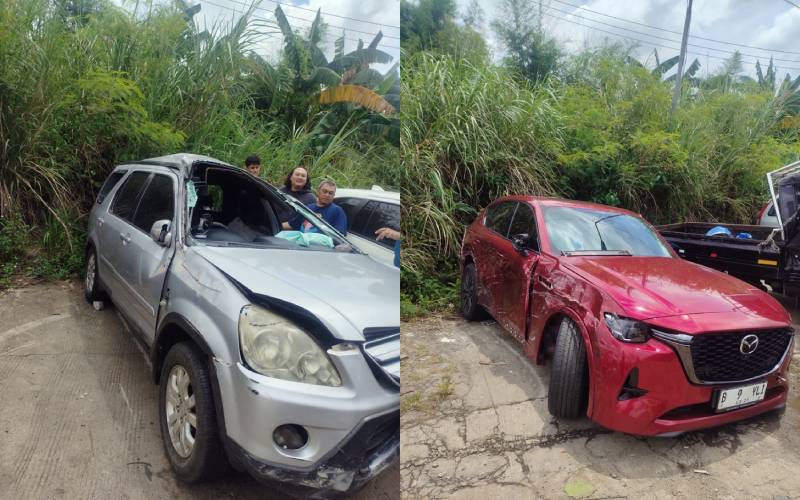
(469, 134)
(87, 85)
(598, 132)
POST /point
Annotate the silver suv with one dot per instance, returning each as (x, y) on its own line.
(276, 352)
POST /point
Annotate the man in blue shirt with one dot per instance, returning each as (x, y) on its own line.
(325, 209)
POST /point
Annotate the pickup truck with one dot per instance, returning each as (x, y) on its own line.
(769, 258)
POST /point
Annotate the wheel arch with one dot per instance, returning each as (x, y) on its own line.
(174, 329)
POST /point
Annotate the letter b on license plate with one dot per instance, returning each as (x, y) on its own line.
(729, 399)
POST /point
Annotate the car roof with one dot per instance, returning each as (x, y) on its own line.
(562, 202)
(369, 194)
(180, 161)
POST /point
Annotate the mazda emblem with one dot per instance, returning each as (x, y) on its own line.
(749, 344)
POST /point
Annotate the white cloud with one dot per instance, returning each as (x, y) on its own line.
(750, 22)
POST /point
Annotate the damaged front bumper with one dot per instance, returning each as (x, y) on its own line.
(353, 431)
(369, 451)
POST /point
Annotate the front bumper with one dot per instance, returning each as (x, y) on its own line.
(353, 430)
(372, 449)
(671, 404)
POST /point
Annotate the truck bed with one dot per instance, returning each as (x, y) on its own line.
(745, 259)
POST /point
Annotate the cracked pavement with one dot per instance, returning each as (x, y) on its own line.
(475, 424)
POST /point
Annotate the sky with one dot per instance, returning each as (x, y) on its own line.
(766, 24)
(367, 18)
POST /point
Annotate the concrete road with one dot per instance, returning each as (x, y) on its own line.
(475, 425)
(78, 414)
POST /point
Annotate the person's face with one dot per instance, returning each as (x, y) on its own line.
(325, 195)
(298, 178)
(254, 169)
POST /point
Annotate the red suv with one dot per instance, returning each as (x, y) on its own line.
(642, 341)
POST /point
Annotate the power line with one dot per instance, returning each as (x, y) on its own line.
(241, 4)
(233, 9)
(664, 38)
(647, 42)
(333, 15)
(676, 32)
(792, 3)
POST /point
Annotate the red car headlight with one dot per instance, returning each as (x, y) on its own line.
(627, 330)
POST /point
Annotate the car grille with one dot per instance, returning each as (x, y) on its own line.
(382, 348)
(717, 356)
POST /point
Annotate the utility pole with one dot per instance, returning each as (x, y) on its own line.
(676, 95)
(540, 16)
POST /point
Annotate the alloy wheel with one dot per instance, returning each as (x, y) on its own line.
(181, 414)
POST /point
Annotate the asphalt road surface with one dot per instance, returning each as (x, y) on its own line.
(78, 414)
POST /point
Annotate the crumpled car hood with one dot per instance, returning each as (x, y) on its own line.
(652, 287)
(346, 292)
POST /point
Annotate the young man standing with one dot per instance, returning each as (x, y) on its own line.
(253, 165)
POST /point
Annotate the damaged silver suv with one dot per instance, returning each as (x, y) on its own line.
(276, 352)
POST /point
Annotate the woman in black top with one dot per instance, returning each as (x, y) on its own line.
(298, 185)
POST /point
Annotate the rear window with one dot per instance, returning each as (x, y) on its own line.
(112, 181)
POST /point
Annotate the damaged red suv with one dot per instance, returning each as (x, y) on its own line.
(641, 341)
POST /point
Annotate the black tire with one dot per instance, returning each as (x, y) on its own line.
(207, 459)
(92, 289)
(469, 297)
(569, 381)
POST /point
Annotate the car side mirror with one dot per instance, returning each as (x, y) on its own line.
(523, 242)
(160, 232)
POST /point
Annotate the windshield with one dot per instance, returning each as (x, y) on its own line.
(228, 209)
(586, 230)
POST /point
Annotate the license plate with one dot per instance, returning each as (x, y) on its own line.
(728, 399)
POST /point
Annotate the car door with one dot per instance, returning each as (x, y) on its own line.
(515, 270)
(116, 223)
(143, 261)
(493, 237)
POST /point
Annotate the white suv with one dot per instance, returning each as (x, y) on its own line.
(367, 211)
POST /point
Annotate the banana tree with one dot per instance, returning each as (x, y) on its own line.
(663, 67)
(304, 77)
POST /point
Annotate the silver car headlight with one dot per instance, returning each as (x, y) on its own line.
(276, 347)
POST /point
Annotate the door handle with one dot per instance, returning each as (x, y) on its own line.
(126, 238)
(545, 283)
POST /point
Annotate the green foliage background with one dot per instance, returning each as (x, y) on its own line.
(85, 85)
(594, 127)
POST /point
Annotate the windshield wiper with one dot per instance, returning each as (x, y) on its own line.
(614, 253)
(597, 228)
